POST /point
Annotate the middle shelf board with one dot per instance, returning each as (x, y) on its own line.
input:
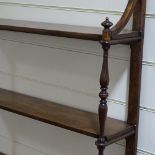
(63, 116)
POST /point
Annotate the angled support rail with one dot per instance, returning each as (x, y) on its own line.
(125, 17)
(106, 130)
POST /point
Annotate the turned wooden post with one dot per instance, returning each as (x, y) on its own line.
(104, 82)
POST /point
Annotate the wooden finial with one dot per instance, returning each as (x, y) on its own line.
(107, 24)
(104, 82)
(106, 32)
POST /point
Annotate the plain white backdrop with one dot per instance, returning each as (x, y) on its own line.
(67, 71)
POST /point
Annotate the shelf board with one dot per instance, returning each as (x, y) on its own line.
(57, 33)
(63, 116)
(52, 29)
(68, 31)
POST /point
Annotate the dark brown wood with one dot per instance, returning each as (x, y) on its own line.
(57, 33)
(117, 39)
(63, 116)
(135, 76)
(106, 130)
(125, 17)
(104, 82)
(128, 34)
(125, 41)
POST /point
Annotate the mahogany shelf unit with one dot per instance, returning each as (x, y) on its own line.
(106, 130)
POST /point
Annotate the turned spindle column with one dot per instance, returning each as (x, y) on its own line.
(104, 82)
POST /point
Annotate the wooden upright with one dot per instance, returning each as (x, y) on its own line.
(137, 8)
(104, 82)
(135, 79)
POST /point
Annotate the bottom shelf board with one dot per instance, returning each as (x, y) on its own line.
(63, 116)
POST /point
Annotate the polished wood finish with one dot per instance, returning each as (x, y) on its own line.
(117, 39)
(135, 79)
(63, 116)
(58, 33)
(125, 17)
(104, 82)
(106, 130)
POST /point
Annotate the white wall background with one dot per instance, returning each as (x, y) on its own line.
(67, 71)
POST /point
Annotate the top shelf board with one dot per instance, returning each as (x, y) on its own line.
(68, 31)
(52, 29)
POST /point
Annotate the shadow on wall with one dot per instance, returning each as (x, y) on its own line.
(71, 76)
(40, 66)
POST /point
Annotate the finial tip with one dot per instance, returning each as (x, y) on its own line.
(107, 24)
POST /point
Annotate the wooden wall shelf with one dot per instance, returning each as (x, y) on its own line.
(63, 116)
(106, 130)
